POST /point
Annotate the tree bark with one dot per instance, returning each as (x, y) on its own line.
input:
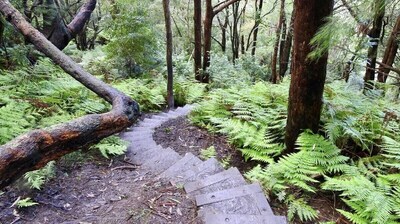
(308, 77)
(209, 16)
(275, 77)
(197, 40)
(287, 48)
(390, 51)
(57, 31)
(373, 35)
(224, 27)
(33, 150)
(168, 29)
(256, 26)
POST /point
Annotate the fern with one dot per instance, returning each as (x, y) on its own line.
(23, 203)
(37, 178)
(316, 157)
(111, 146)
(253, 119)
(16, 118)
(300, 208)
(208, 153)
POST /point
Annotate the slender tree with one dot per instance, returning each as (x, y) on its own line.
(308, 76)
(374, 36)
(256, 26)
(210, 13)
(392, 47)
(275, 77)
(168, 29)
(287, 48)
(197, 40)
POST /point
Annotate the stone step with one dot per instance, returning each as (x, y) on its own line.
(151, 123)
(162, 160)
(140, 155)
(182, 110)
(160, 117)
(188, 161)
(247, 199)
(136, 135)
(224, 180)
(144, 144)
(200, 171)
(210, 218)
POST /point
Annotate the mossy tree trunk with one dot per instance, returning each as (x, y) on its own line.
(308, 75)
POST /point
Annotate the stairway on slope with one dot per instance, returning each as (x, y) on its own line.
(222, 196)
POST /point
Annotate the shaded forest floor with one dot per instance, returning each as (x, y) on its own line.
(91, 189)
(97, 190)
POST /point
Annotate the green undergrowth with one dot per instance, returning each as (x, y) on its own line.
(356, 157)
(43, 95)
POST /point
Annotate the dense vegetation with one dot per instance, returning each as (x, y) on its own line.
(355, 153)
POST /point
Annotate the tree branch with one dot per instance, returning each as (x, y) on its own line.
(221, 6)
(78, 23)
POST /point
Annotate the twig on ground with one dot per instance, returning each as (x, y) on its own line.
(124, 167)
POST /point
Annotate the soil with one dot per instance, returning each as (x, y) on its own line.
(98, 190)
(184, 137)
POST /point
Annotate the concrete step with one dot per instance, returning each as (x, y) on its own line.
(162, 160)
(247, 199)
(210, 218)
(188, 161)
(224, 180)
(200, 171)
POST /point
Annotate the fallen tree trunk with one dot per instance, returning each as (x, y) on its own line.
(33, 150)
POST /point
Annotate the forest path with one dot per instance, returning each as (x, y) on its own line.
(221, 196)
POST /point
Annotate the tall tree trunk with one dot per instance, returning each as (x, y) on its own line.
(207, 31)
(224, 27)
(390, 51)
(234, 32)
(197, 39)
(168, 29)
(308, 77)
(207, 40)
(373, 35)
(256, 26)
(275, 77)
(34, 149)
(287, 48)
